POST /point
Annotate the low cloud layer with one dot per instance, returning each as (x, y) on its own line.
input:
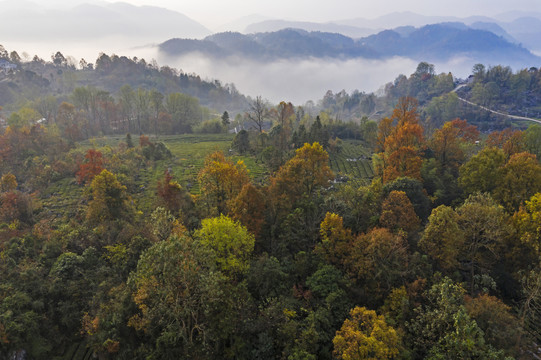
(294, 80)
(301, 80)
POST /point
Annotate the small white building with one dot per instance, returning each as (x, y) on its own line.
(6, 66)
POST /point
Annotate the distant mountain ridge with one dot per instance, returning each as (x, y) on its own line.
(436, 42)
(29, 21)
(517, 27)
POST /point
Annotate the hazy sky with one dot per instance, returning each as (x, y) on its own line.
(212, 13)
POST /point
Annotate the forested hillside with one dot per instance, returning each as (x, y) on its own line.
(441, 97)
(34, 79)
(361, 227)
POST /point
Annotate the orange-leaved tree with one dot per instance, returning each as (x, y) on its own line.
(248, 207)
(403, 146)
(92, 166)
(397, 213)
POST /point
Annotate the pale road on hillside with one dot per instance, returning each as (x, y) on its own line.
(493, 111)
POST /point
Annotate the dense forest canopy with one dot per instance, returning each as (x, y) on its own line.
(397, 226)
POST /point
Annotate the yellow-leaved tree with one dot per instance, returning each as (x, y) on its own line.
(366, 335)
(220, 181)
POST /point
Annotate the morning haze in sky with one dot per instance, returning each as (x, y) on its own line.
(213, 13)
(83, 29)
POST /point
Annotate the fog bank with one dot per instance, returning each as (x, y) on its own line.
(292, 80)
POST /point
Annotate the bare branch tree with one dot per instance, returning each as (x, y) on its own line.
(258, 112)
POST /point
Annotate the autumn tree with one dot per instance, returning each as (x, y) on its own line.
(448, 141)
(109, 200)
(379, 260)
(284, 113)
(415, 193)
(510, 141)
(498, 321)
(15, 207)
(170, 192)
(8, 182)
(336, 240)
(385, 129)
(173, 197)
(397, 213)
(302, 175)
(526, 221)
(221, 181)
(70, 122)
(404, 145)
(466, 132)
(366, 335)
(248, 207)
(92, 166)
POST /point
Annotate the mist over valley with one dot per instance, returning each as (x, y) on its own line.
(277, 59)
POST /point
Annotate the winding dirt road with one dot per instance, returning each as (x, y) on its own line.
(493, 111)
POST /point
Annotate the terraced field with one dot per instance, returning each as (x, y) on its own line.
(354, 161)
(189, 152)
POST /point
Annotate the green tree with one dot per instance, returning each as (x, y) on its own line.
(225, 119)
(241, 142)
(156, 100)
(532, 139)
(484, 223)
(177, 297)
(443, 238)
(482, 172)
(442, 329)
(519, 179)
